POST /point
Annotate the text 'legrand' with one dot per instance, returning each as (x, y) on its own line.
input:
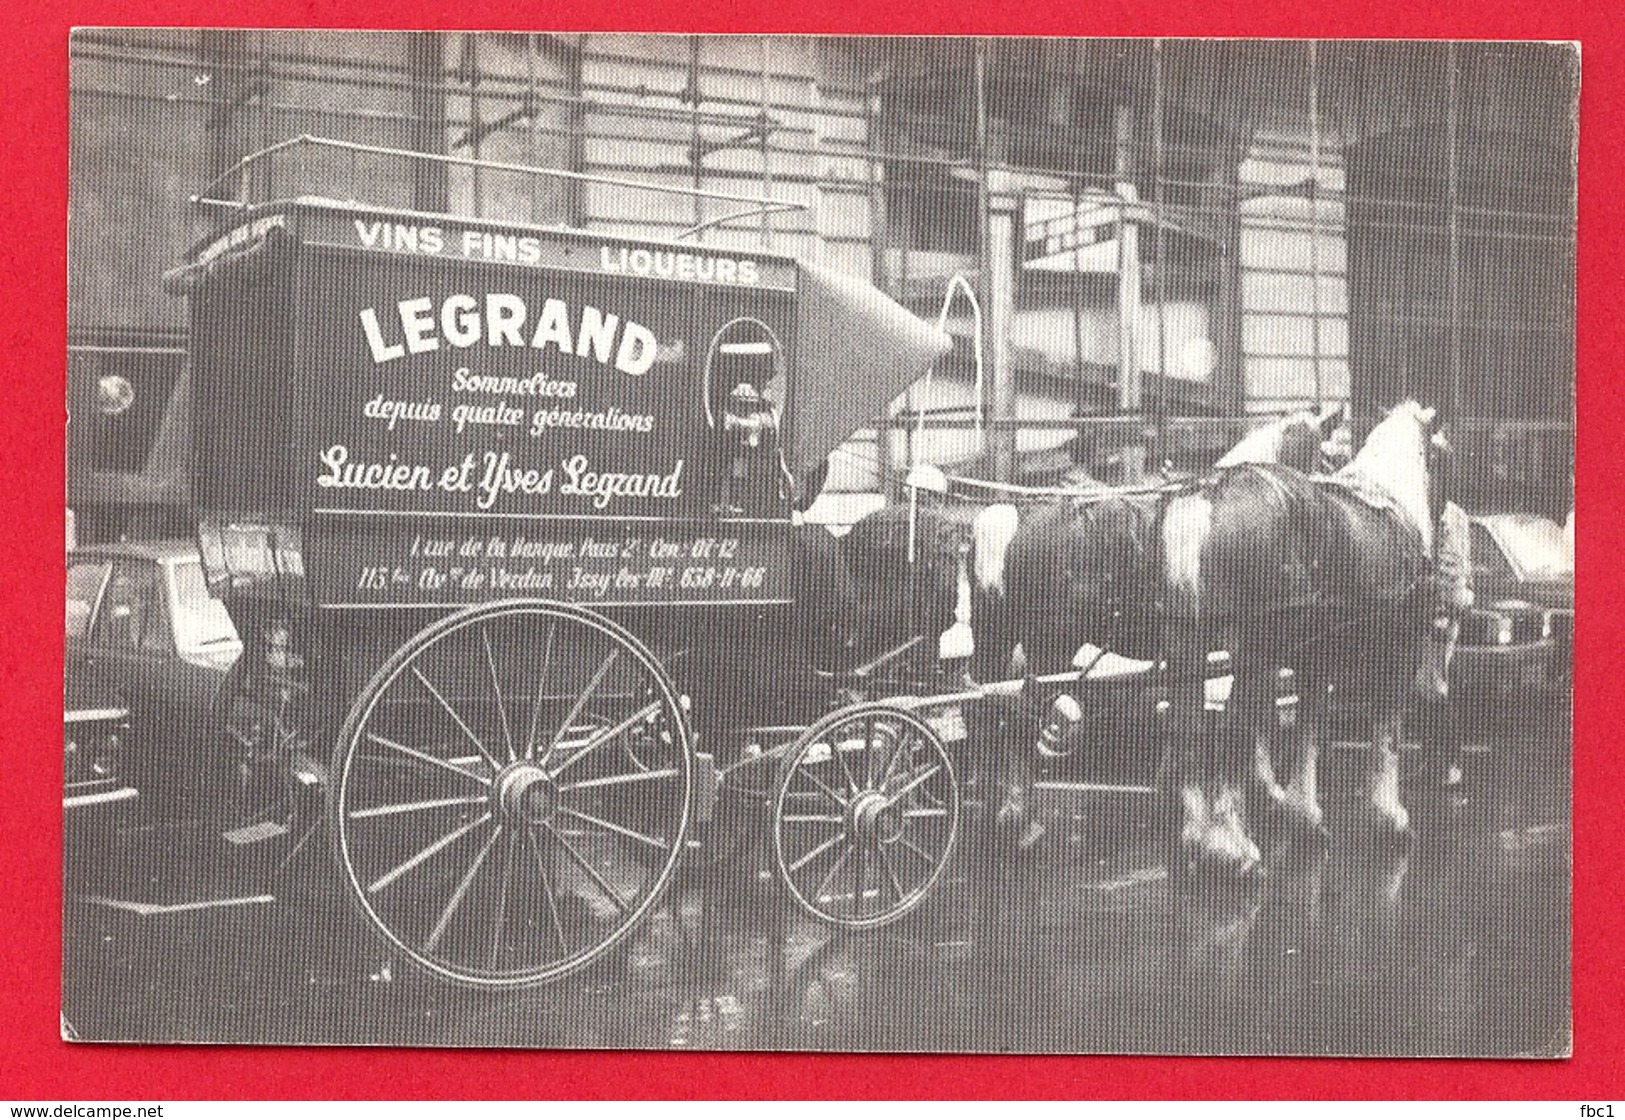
(504, 319)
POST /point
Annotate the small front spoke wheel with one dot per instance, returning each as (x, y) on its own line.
(865, 816)
(512, 793)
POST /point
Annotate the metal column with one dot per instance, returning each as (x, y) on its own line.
(1453, 222)
(997, 218)
(426, 60)
(1314, 221)
(1128, 267)
(1160, 212)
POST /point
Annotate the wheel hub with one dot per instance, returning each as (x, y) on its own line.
(875, 819)
(526, 794)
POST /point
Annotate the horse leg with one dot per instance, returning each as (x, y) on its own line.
(1265, 782)
(1297, 801)
(1044, 650)
(1251, 712)
(997, 609)
(1242, 728)
(993, 635)
(1388, 689)
(1302, 802)
(1392, 816)
(1184, 769)
(1208, 797)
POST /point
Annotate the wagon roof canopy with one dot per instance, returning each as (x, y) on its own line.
(857, 349)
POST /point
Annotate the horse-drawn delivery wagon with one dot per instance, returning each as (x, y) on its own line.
(504, 516)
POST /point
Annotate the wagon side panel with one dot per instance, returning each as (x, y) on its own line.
(472, 431)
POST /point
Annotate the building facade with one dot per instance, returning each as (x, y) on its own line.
(1155, 239)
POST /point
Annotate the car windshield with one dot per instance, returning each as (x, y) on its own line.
(1535, 545)
(200, 620)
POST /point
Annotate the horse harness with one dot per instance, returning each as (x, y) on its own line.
(1148, 546)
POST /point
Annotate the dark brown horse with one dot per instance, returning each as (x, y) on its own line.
(1326, 577)
(1042, 579)
(1063, 572)
(906, 561)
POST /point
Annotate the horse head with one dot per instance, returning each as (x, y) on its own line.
(1395, 460)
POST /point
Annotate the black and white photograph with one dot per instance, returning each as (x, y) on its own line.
(819, 543)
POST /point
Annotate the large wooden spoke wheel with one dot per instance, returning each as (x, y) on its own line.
(865, 815)
(511, 793)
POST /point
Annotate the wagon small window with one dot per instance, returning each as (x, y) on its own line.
(745, 352)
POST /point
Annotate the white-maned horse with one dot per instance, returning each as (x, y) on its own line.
(1326, 577)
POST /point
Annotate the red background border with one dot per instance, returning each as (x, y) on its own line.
(33, 182)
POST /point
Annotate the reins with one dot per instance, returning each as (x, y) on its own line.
(1080, 495)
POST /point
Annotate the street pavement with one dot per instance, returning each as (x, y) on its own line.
(1456, 945)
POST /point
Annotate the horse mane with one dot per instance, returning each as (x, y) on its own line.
(1263, 444)
(1393, 462)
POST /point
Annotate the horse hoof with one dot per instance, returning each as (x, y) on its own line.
(1267, 800)
(1300, 824)
(1009, 820)
(1226, 885)
(1019, 837)
(1311, 832)
(1398, 838)
(1030, 836)
(1247, 871)
(1211, 866)
(1386, 834)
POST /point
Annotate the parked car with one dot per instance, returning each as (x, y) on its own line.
(1520, 632)
(95, 744)
(141, 623)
